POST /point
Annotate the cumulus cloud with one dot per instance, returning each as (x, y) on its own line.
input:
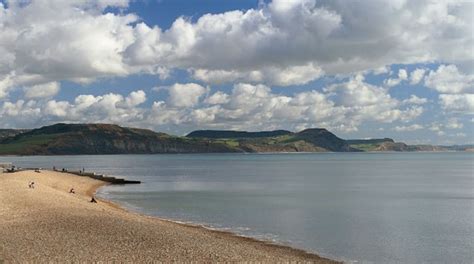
(449, 124)
(44, 41)
(279, 43)
(402, 76)
(341, 107)
(415, 100)
(42, 90)
(185, 95)
(217, 98)
(293, 75)
(369, 102)
(453, 123)
(408, 128)
(416, 76)
(107, 108)
(448, 79)
(460, 103)
(247, 106)
(135, 98)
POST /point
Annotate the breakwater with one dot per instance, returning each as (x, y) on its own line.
(93, 175)
(101, 177)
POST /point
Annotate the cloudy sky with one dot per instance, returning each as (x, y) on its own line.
(372, 68)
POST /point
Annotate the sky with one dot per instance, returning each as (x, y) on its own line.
(362, 69)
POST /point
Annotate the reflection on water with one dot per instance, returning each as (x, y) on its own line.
(384, 207)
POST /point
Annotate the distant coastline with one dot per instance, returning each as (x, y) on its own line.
(90, 139)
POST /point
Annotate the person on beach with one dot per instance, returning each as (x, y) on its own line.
(72, 190)
(93, 200)
(31, 185)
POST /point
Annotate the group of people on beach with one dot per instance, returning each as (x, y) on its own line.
(74, 191)
(31, 184)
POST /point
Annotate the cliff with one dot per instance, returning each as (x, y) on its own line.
(63, 139)
(75, 139)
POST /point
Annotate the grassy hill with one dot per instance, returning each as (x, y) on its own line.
(73, 139)
(102, 139)
(370, 144)
(309, 140)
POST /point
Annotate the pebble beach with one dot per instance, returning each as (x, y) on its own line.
(47, 223)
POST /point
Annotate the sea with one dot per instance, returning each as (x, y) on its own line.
(355, 207)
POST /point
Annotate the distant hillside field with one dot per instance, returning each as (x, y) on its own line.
(75, 139)
(64, 139)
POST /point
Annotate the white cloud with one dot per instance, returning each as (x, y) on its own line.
(247, 106)
(416, 76)
(453, 123)
(49, 41)
(42, 90)
(294, 75)
(135, 98)
(402, 76)
(185, 95)
(461, 103)
(327, 34)
(380, 70)
(19, 109)
(368, 102)
(408, 128)
(5, 85)
(448, 79)
(255, 106)
(415, 100)
(280, 43)
(217, 98)
(58, 109)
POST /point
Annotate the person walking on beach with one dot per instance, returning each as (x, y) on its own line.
(93, 200)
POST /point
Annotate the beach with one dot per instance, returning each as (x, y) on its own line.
(49, 224)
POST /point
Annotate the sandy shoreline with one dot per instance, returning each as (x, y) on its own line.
(49, 224)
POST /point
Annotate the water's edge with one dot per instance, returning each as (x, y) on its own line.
(228, 231)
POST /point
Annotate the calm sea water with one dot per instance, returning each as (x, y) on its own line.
(370, 208)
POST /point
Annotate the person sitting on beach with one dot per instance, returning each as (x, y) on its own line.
(31, 185)
(72, 190)
(93, 200)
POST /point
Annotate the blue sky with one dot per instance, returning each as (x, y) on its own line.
(404, 72)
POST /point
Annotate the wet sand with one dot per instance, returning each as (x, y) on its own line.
(49, 224)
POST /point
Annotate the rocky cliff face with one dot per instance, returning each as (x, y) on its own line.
(393, 146)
